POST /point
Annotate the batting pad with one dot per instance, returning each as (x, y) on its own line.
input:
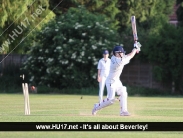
(104, 104)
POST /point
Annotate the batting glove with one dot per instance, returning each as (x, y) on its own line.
(137, 45)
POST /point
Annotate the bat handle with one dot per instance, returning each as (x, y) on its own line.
(135, 41)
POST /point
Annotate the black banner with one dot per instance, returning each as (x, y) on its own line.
(91, 126)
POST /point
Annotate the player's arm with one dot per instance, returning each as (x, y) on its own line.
(99, 71)
(98, 76)
(132, 54)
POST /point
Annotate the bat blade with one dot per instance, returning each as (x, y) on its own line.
(134, 30)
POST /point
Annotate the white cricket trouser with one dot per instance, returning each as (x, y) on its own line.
(102, 84)
(118, 88)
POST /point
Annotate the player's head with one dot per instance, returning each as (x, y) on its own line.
(105, 53)
(118, 50)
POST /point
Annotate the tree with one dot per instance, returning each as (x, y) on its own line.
(179, 12)
(67, 50)
(106, 7)
(150, 18)
(145, 11)
(18, 19)
(164, 50)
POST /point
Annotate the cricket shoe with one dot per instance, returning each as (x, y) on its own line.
(94, 111)
(125, 113)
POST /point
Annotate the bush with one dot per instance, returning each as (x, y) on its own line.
(142, 91)
(67, 50)
(164, 50)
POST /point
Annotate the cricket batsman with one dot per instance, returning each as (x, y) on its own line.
(113, 83)
(103, 71)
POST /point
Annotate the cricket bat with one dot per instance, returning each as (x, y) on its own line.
(134, 30)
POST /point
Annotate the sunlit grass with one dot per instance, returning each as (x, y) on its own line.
(71, 108)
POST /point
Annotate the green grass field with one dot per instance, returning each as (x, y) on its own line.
(71, 108)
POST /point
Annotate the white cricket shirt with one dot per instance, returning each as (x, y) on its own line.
(116, 68)
(104, 66)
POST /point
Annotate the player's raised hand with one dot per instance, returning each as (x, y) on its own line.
(137, 45)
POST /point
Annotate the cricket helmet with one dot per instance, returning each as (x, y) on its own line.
(118, 49)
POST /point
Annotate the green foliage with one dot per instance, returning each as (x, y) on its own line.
(165, 50)
(142, 91)
(149, 22)
(160, 47)
(146, 12)
(67, 50)
(132, 91)
(18, 19)
(179, 12)
(42, 89)
(108, 8)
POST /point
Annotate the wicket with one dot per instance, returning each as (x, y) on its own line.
(26, 97)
